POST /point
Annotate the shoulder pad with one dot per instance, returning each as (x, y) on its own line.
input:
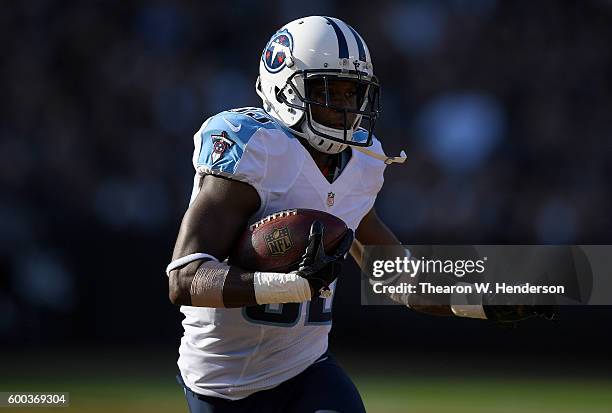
(221, 141)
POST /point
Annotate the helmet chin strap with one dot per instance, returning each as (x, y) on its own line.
(314, 140)
(386, 159)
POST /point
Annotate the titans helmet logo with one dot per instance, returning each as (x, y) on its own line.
(277, 50)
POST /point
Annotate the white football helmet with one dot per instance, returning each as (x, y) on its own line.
(319, 50)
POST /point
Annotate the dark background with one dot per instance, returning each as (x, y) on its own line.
(504, 109)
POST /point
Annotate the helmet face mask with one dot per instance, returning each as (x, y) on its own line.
(328, 99)
(335, 121)
(316, 77)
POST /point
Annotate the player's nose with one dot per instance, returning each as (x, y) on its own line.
(341, 100)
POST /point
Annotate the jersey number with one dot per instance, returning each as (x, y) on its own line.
(318, 311)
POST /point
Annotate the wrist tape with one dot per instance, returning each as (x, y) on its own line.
(278, 288)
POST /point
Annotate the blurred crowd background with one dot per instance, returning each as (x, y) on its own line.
(503, 107)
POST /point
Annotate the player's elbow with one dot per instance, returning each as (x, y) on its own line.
(177, 297)
(176, 291)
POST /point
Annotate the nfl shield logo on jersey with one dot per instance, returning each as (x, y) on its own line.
(220, 145)
(330, 199)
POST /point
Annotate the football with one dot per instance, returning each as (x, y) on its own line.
(277, 242)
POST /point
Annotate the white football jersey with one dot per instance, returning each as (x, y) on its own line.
(232, 353)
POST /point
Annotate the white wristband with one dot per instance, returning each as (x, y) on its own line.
(279, 288)
(179, 262)
(465, 305)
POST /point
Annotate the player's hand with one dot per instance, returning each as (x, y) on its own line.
(319, 268)
(514, 313)
(511, 308)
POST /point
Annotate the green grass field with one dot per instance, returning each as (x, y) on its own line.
(157, 394)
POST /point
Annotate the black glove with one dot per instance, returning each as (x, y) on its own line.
(513, 313)
(509, 308)
(318, 268)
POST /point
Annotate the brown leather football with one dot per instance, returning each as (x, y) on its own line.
(278, 241)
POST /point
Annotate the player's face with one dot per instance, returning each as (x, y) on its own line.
(343, 94)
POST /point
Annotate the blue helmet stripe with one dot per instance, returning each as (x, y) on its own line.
(362, 53)
(342, 46)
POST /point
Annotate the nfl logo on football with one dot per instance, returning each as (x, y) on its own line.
(278, 241)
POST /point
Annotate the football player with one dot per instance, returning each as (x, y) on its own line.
(257, 342)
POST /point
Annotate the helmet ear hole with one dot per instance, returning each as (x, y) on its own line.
(277, 94)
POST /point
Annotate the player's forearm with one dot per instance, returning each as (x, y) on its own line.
(218, 285)
(356, 252)
(414, 302)
(211, 284)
